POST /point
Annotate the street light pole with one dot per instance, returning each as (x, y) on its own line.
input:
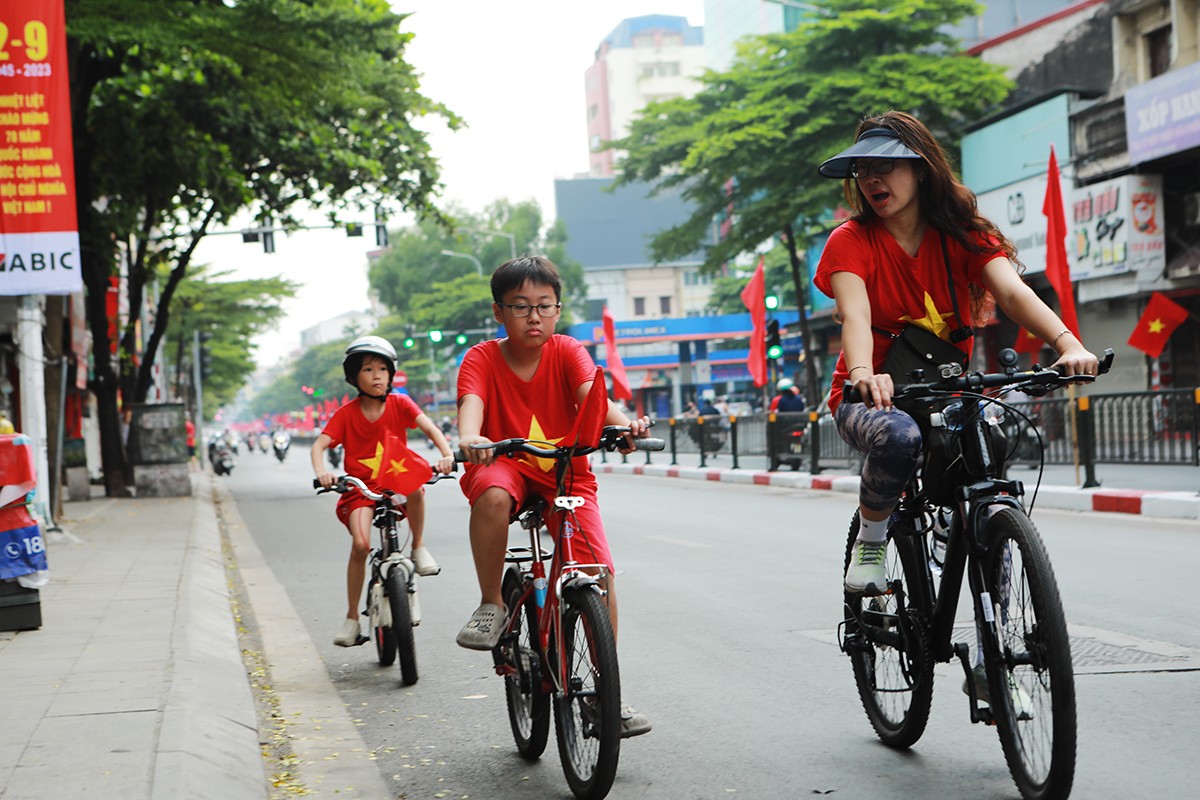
(512, 240)
(475, 260)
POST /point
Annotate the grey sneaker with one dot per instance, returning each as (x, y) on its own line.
(633, 722)
(866, 574)
(482, 631)
(424, 562)
(350, 635)
(1022, 703)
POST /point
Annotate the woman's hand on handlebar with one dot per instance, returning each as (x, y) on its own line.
(639, 428)
(444, 465)
(876, 390)
(473, 455)
(1077, 360)
(326, 479)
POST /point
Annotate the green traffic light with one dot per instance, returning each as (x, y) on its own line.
(460, 339)
(775, 351)
(435, 336)
(410, 343)
(772, 301)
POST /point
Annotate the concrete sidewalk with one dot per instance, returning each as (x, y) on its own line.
(134, 685)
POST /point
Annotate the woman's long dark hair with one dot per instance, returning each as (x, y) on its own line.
(946, 203)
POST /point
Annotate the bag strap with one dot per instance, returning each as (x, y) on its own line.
(965, 332)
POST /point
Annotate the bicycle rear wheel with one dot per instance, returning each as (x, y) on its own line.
(528, 702)
(893, 663)
(402, 630)
(587, 715)
(1033, 691)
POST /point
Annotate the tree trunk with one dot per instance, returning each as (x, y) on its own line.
(812, 393)
(53, 355)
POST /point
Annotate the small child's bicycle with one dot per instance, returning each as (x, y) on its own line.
(392, 605)
(558, 642)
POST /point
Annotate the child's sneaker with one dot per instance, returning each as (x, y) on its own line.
(633, 722)
(424, 562)
(482, 631)
(350, 635)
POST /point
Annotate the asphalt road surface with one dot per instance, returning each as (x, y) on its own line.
(730, 596)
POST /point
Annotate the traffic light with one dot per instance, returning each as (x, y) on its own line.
(772, 302)
(354, 229)
(774, 344)
(381, 233)
(206, 362)
(460, 339)
(409, 343)
(435, 336)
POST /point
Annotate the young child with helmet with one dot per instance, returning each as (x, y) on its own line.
(360, 427)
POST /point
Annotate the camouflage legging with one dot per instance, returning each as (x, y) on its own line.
(891, 442)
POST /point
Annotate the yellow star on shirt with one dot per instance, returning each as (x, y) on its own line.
(536, 435)
(934, 321)
(375, 462)
(1157, 326)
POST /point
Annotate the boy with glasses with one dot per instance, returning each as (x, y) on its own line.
(527, 385)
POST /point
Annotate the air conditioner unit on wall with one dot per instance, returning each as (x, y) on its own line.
(1191, 209)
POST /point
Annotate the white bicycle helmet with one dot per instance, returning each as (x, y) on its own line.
(362, 347)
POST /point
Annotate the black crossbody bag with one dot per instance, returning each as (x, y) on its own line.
(915, 348)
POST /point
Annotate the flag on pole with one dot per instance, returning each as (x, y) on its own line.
(754, 297)
(1160, 319)
(612, 359)
(1026, 342)
(1058, 270)
(400, 469)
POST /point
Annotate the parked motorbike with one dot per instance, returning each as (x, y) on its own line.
(220, 454)
(281, 442)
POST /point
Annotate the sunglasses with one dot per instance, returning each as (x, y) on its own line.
(878, 166)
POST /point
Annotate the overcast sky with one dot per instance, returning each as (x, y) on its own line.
(514, 72)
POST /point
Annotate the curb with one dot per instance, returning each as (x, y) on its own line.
(1170, 505)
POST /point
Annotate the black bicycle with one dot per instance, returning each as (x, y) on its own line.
(958, 516)
(392, 605)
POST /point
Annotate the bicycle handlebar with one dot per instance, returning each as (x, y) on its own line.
(1036, 382)
(610, 439)
(347, 482)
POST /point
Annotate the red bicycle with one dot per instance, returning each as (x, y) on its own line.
(557, 647)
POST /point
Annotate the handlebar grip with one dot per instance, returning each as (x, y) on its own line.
(850, 394)
(1106, 360)
(653, 445)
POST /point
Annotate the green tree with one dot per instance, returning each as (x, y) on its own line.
(186, 112)
(230, 313)
(753, 136)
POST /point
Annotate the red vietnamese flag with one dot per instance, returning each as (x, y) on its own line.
(612, 358)
(1160, 319)
(589, 421)
(1058, 270)
(754, 298)
(400, 469)
(1026, 342)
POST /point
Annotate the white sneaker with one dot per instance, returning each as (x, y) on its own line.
(424, 562)
(633, 722)
(1022, 703)
(350, 635)
(866, 573)
(482, 631)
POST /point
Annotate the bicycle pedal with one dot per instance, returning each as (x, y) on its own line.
(361, 640)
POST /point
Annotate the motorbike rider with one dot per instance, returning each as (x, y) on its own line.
(789, 400)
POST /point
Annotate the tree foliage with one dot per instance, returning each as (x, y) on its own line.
(188, 111)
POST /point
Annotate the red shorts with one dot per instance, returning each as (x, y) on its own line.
(589, 544)
(352, 500)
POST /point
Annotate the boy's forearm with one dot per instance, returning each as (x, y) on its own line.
(318, 453)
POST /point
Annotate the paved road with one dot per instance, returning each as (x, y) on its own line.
(730, 595)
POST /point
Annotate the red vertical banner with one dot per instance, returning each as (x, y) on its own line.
(1058, 270)
(612, 358)
(39, 237)
(754, 298)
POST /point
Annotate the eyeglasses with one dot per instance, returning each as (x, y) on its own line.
(879, 166)
(521, 310)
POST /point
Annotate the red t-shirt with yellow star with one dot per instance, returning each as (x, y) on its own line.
(902, 288)
(542, 408)
(363, 440)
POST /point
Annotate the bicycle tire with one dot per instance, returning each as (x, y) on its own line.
(587, 718)
(402, 629)
(385, 641)
(528, 702)
(1036, 721)
(895, 685)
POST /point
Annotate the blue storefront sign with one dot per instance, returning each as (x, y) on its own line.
(1162, 116)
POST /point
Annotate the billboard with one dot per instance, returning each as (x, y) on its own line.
(39, 238)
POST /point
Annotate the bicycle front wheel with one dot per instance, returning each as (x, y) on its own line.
(402, 629)
(1031, 684)
(587, 715)
(891, 656)
(385, 642)
(528, 702)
